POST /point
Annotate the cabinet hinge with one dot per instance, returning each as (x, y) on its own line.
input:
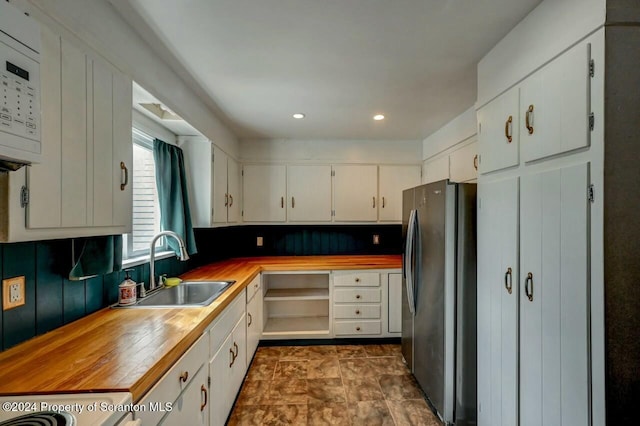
(24, 196)
(590, 193)
(333, 173)
(592, 68)
(592, 121)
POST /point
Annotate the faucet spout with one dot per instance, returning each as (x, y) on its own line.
(152, 258)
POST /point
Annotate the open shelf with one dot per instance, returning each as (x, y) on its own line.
(296, 326)
(276, 294)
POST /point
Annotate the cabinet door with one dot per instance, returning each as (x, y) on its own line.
(74, 178)
(355, 193)
(498, 303)
(233, 187)
(554, 320)
(498, 133)
(101, 143)
(463, 163)
(219, 194)
(554, 106)
(395, 303)
(122, 151)
(192, 406)
(394, 180)
(254, 324)
(239, 367)
(220, 371)
(309, 193)
(436, 169)
(44, 208)
(264, 193)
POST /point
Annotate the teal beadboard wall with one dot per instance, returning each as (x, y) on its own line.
(51, 299)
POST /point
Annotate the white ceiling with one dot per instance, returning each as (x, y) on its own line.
(338, 61)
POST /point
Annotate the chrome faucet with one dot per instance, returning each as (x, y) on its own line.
(152, 259)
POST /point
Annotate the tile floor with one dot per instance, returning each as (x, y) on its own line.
(330, 385)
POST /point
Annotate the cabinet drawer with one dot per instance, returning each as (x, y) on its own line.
(356, 311)
(357, 295)
(356, 279)
(225, 323)
(354, 328)
(253, 287)
(176, 379)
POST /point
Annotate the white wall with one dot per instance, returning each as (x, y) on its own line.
(331, 151)
(549, 30)
(98, 25)
(460, 129)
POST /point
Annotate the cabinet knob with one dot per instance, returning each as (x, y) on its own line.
(357, 311)
(184, 377)
(357, 280)
(357, 328)
(357, 296)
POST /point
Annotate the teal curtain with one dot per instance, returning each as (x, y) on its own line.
(171, 181)
(99, 256)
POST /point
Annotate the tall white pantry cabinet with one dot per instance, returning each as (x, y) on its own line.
(537, 145)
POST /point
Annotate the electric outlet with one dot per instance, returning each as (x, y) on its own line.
(13, 292)
(376, 239)
(259, 242)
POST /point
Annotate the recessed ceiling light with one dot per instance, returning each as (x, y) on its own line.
(378, 117)
(298, 116)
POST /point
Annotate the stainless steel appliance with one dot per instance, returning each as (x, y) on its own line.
(439, 296)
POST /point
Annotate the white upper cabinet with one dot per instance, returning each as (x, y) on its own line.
(309, 193)
(214, 183)
(498, 133)
(86, 114)
(436, 169)
(264, 192)
(355, 189)
(394, 180)
(463, 163)
(554, 106)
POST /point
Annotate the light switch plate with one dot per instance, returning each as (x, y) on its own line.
(376, 239)
(259, 242)
(13, 292)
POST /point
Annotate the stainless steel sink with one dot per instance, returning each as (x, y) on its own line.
(186, 294)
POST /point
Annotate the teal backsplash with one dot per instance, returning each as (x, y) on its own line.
(51, 299)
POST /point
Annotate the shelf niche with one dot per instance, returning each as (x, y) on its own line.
(296, 305)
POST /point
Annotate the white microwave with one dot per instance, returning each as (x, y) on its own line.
(20, 126)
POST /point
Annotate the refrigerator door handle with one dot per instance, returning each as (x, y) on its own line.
(409, 262)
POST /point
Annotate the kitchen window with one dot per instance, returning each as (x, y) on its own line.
(146, 213)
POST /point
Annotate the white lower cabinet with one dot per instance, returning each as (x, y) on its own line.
(228, 362)
(254, 316)
(192, 406)
(179, 393)
(394, 305)
(533, 320)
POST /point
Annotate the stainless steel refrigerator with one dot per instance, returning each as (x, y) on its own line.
(439, 296)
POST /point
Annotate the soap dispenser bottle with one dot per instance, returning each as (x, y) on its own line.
(127, 290)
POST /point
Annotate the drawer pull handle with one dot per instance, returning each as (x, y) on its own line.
(358, 296)
(528, 118)
(357, 280)
(527, 291)
(282, 202)
(357, 311)
(226, 200)
(230, 200)
(203, 391)
(475, 162)
(374, 202)
(235, 345)
(357, 328)
(508, 129)
(250, 319)
(508, 283)
(124, 178)
(233, 357)
(184, 377)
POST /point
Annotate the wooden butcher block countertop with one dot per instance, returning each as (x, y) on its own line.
(129, 350)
